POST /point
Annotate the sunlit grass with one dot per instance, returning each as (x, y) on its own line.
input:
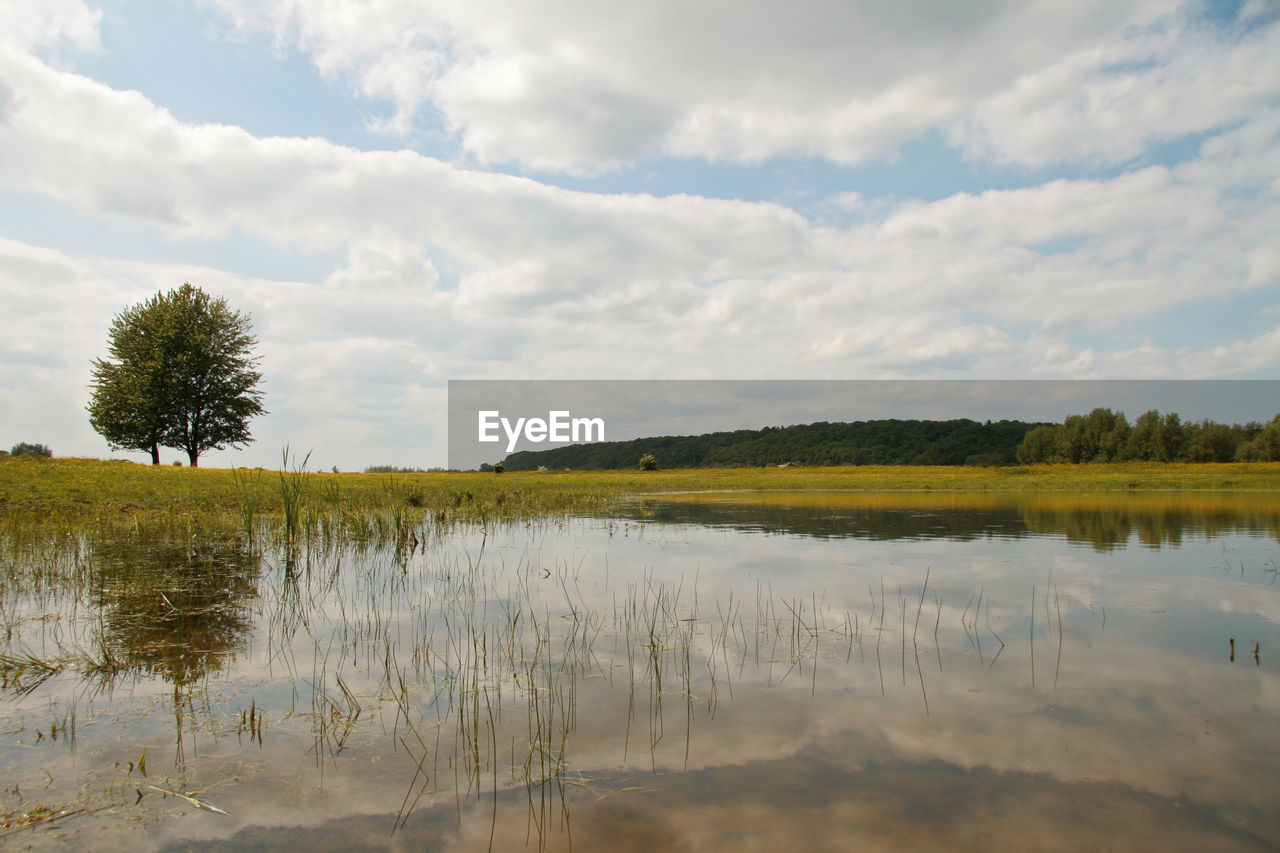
(49, 493)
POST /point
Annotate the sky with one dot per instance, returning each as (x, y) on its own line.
(400, 193)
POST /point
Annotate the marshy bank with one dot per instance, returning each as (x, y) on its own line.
(207, 662)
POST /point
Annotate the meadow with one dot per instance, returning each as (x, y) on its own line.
(76, 491)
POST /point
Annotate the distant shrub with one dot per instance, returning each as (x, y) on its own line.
(498, 468)
(388, 469)
(23, 448)
(177, 463)
(648, 462)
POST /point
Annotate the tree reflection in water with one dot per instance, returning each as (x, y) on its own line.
(1105, 521)
(173, 609)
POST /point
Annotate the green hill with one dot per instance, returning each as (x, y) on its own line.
(883, 442)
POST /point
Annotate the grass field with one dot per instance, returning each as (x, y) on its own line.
(40, 491)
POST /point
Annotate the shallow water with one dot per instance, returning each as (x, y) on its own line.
(736, 672)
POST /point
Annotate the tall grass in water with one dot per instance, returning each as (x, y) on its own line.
(249, 485)
(292, 488)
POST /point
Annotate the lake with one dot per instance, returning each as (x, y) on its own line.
(734, 671)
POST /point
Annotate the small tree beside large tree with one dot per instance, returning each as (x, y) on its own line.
(181, 374)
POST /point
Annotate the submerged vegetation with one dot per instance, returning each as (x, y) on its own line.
(499, 661)
(479, 668)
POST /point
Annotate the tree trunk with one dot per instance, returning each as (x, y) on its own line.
(155, 453)
(194, 456)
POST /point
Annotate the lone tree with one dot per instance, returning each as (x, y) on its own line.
(182, 374)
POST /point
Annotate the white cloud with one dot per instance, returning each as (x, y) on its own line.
(49, 25)
(1152, 236)
(355, 366)
(545, 282)
(582, 86)
(1110, 103)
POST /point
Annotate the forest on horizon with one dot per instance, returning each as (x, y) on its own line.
(1102, 435)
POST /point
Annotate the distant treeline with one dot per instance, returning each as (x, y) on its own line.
(1106, 436)
(25, 448)
(885, 442)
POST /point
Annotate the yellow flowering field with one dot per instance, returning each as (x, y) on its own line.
(39, 489)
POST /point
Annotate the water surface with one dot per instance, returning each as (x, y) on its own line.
(747, 671)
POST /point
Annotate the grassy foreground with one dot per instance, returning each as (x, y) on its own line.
(79, 490)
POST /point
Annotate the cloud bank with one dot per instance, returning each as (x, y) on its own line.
(450, 267)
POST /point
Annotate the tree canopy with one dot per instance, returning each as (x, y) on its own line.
(1102, 435)
(1106, 436)
(181, 374)
(26, 448)
(880, 442)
